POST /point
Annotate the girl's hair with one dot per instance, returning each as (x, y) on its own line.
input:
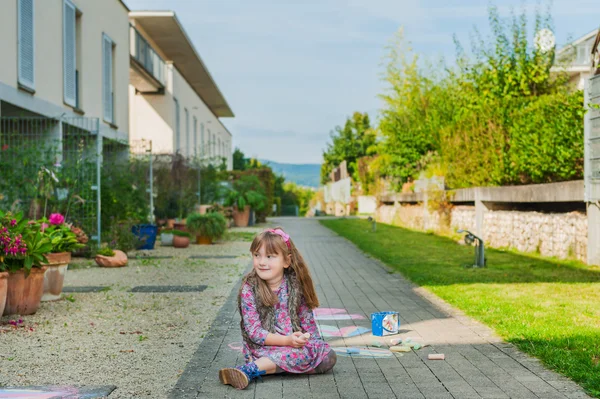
(275, 244)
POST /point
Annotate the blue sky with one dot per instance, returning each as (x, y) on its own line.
(292, 71)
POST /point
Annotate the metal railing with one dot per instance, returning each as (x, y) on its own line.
(143, 52)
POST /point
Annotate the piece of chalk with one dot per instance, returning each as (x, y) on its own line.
(376, 344)
(396, 341)
(307, 335)
(400, 348)
(417, 346)
(436, 356)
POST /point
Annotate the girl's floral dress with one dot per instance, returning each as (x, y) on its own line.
(292, 360)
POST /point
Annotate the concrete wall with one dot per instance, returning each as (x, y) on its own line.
(97, 17)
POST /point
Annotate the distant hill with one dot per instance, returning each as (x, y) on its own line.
(301, 174)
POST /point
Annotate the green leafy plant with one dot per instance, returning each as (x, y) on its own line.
(211, 225)
(121, 237)
(180, 233)
(106, 251)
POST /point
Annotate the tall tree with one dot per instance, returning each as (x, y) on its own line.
(239, 160)
(355, 140)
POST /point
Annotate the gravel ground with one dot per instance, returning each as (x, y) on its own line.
(140, 342)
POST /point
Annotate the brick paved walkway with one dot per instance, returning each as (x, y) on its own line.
(478, 364)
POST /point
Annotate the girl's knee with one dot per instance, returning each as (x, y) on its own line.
(328, 362)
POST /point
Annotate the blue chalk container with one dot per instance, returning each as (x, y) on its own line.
(385, 323)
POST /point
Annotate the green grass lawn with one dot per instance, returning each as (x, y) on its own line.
(548, 308)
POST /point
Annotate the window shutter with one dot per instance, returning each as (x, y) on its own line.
(187, 132)
(195, 136)
(177, 127)
(107, 78)
(26, 45)
(69, 55)
(202, 145)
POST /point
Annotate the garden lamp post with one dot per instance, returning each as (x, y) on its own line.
(471, 238)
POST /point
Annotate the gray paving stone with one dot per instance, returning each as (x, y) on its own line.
(478, 364)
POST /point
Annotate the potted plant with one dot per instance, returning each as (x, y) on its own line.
(22, 253)
(63, 241)
(242, 202)
(181, 239)
(166, 237)
(107, 257)
(207, 227)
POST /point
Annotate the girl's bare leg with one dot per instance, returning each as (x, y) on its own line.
(267, 365)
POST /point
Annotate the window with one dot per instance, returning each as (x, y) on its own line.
(26, 54)
(209, 144)
(177, 126)
(202, 144)
(195, 136)
(108, 96)
(219, 148)
(69, 54)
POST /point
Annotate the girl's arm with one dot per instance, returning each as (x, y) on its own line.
(251, 319)
(307, 320)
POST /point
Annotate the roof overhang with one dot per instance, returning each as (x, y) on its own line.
(168, 34)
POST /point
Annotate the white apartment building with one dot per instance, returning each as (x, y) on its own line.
(66, 58)
(173, 99)
(575, 59)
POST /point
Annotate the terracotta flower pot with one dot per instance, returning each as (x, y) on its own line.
(203, 240)
(241, 218)
(54, 278)
(119, 259)
(24, 294)
(3, 289)
(181, 242)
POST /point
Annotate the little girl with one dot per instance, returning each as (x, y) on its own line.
(276, 300)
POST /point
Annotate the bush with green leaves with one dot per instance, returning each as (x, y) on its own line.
(502, 117)
(211, 225)
(247, 191)
(180, 233)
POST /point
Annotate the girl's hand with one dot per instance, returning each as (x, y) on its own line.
(298, 339)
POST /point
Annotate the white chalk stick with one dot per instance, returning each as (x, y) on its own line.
(307, 335)
(436, 356)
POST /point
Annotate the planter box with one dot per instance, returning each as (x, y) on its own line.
(54, 277)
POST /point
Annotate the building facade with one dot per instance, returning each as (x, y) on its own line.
(66, 58)
(576, 59)
(174, 102)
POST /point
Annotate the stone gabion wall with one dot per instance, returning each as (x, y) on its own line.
(561, 235)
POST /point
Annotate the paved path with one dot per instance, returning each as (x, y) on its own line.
(478, 364)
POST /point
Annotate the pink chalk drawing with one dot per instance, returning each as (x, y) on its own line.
(48, 392)
(235, 346)
(335, 314)
(362, 352)
(345, 332)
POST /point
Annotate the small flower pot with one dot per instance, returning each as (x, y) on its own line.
(119, 259)
(54, 277)
(3, 289)
(181, 242)
(146, 233)
(166, 239)
(24, 294)
(203, 240)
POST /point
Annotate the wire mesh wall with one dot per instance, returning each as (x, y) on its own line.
(50, 165)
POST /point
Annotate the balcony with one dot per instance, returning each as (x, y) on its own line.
(146, 67)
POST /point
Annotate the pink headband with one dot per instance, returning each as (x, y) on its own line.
(285, 237)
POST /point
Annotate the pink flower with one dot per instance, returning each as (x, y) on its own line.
(13, 222)
(43, 226)
(57, 219)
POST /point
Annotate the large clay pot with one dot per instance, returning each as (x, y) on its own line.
(241, 218)
(54, 278)
(3, 288)
(24, 294)
(203, 240)
(181, 242)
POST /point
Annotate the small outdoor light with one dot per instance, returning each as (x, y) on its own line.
(373, 224)
(471, 238)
